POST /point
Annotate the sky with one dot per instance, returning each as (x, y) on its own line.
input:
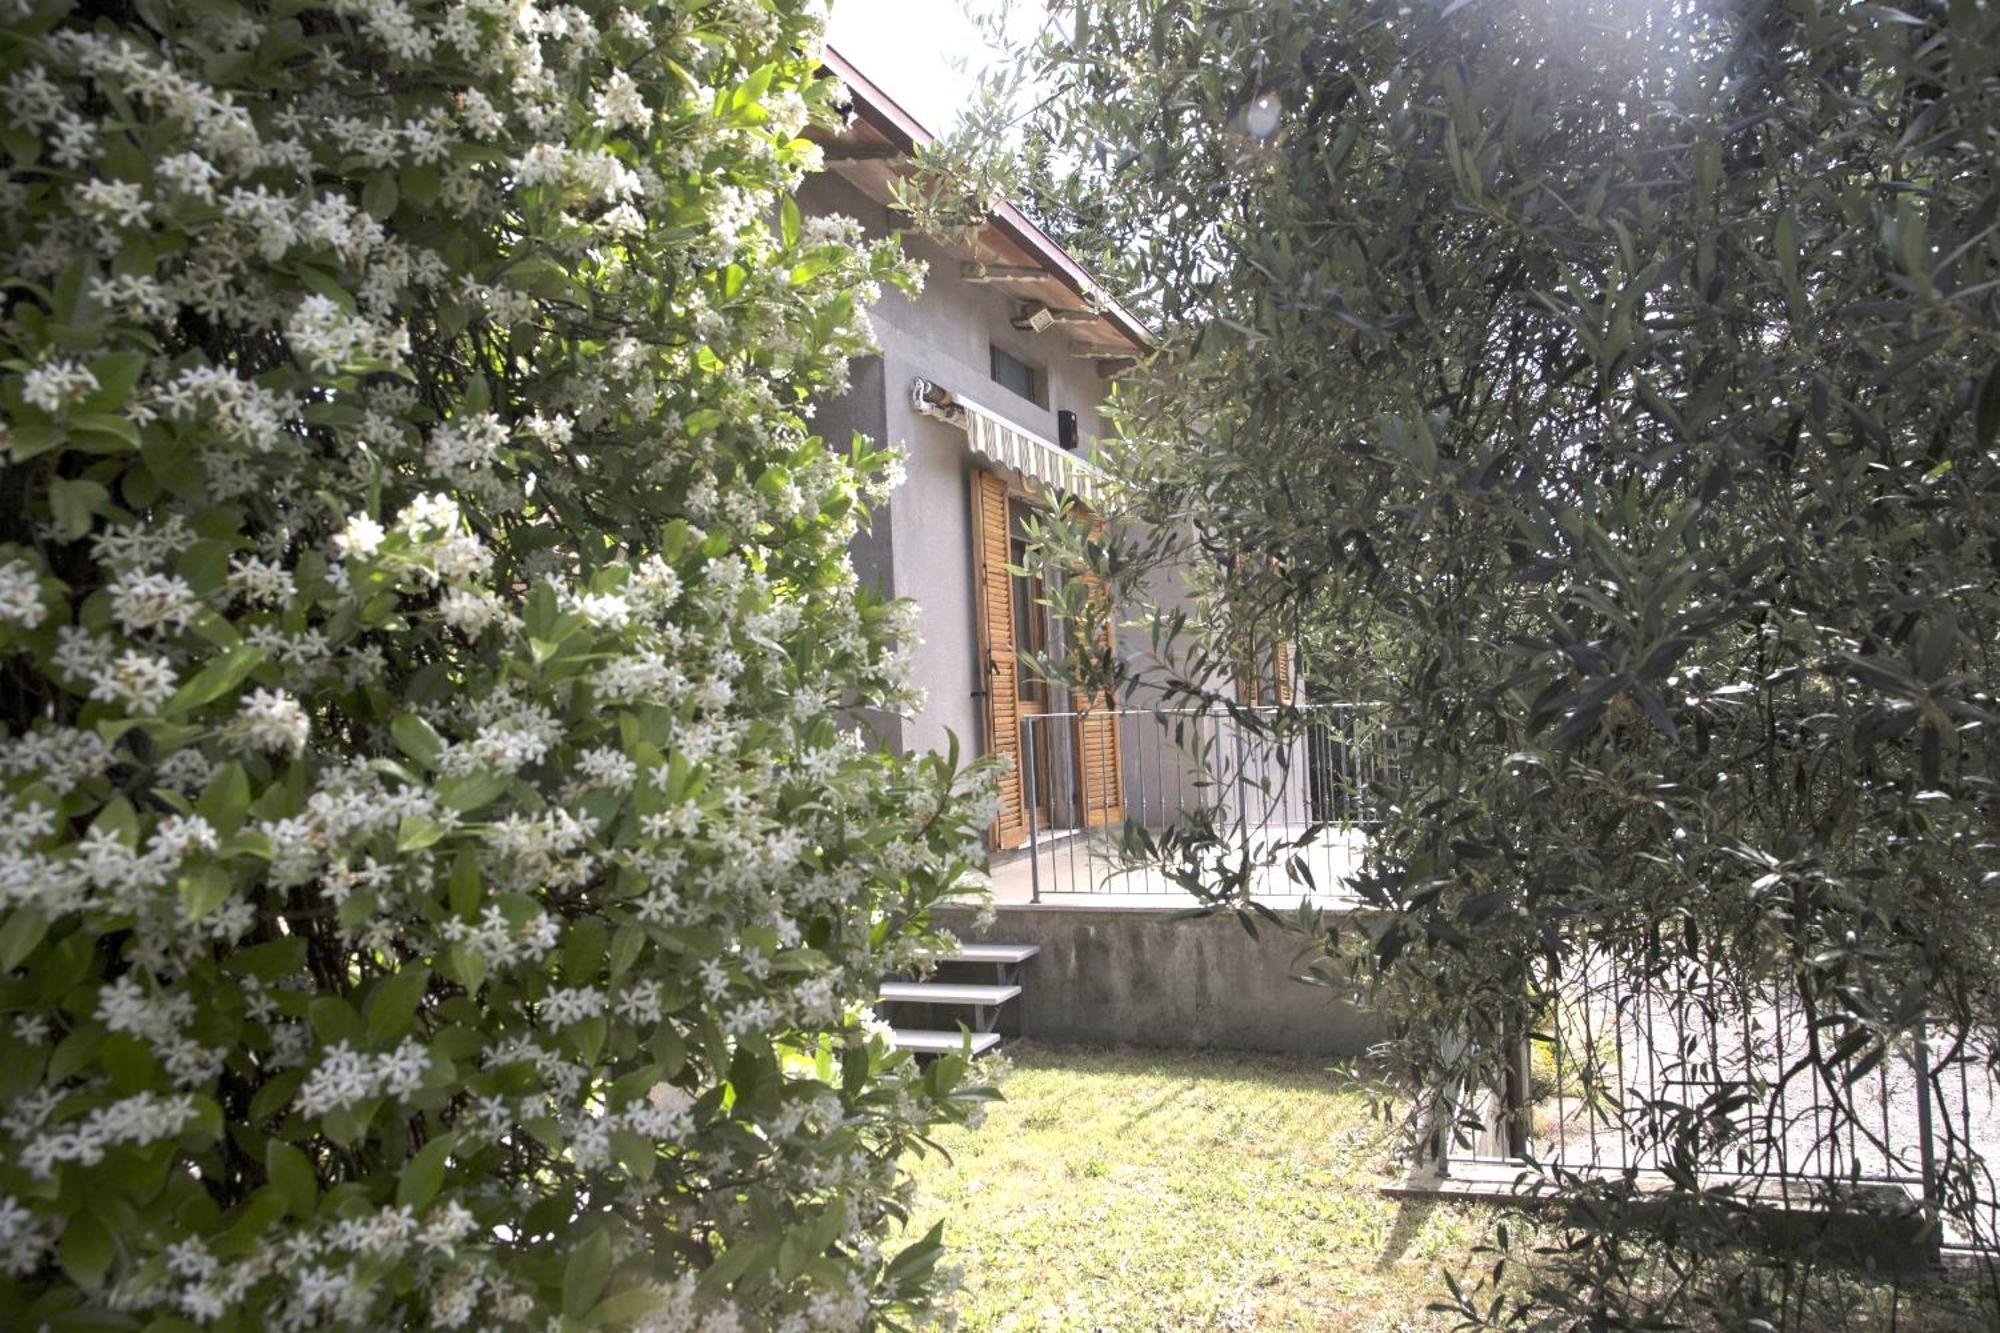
(908, 48)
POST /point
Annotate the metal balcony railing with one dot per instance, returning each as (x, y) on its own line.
(1296, 788)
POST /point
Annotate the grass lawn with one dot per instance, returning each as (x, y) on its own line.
(1126, 1190)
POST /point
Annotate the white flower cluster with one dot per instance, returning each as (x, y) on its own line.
(63, 758)
(56, 385)
(21, 595)
(271, 720)
(125, 1006)
(129, 1122)
(345, 1077)
(410, 605)
(329, 339)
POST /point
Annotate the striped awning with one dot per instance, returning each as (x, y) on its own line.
(999, 440)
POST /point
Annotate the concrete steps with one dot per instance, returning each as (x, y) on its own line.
(982, 999)
(945, 992)
(928, 1041)
(1006, 955)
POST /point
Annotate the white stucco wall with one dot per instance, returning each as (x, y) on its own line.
(921, 547)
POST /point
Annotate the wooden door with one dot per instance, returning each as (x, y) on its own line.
(1039, 768)
(1100, 768)
(993, 611)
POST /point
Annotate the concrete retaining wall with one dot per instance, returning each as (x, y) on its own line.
(1112, 976)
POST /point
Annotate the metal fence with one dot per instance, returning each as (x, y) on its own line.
(1283, 797)
(1685, 1072)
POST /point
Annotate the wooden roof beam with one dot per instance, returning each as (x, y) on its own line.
(974, 271)
(850, 150)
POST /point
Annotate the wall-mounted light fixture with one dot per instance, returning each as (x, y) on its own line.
(1034, 317)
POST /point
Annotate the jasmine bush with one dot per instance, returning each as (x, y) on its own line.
(436, 887)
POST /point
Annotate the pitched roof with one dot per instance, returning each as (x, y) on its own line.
(876, 147)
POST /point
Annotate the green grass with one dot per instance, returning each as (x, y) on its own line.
(1128, 1190)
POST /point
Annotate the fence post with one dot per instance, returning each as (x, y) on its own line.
(1028, 799)
(1516, 1110)
(1927, 1144)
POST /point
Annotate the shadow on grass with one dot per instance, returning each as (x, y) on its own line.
(1411, 1215)
(1161, 1103)
(1274, 1071)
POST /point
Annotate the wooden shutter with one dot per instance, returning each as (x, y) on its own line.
(1247, 693)
(993, 611)
(1100, 769)
(1281, 671)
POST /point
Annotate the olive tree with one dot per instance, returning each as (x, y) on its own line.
(438, 882)
(1610, 390)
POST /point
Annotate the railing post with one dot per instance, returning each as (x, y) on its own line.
(1242, 802)
(1517, 1110)
(1028, 799)
(1927, 1142)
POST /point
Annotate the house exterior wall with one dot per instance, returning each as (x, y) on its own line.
(921, 545)
(921, 541)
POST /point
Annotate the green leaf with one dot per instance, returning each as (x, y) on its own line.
(622, 1308)
(225, 802)
(423, 1174)
(733, 1263)
(393, 1003)
(669, 1048)
(205, 565)
(381, 195)
(275, 1095)
(916, 1260)
(587, 1035)
(22, 932)
(584, 1276)
(86, 1249)
(626, 945)
(583, 949)
(1986, 410)
(290, 1170)
(73, 503)
(810, 1239)
(117, 375)
(216, 679)
(333, 1019)
(467, 886)
(637, 1153)
(421, 185)
(465, 966)
(204, 889)
(418, 832)
(472, 791)
(108, 425)
(417, 739)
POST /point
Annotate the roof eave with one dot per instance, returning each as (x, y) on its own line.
(890, 120)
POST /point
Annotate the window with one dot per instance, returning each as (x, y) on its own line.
(1010, 372)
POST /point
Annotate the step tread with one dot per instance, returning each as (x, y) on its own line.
(947, 992)
(930, 1041)
(992, 953)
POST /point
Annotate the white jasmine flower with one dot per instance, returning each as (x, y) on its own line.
(271, 720)
(55, 385)
(21, 595)
(361, 537)
(142, 601)
(140, 681)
